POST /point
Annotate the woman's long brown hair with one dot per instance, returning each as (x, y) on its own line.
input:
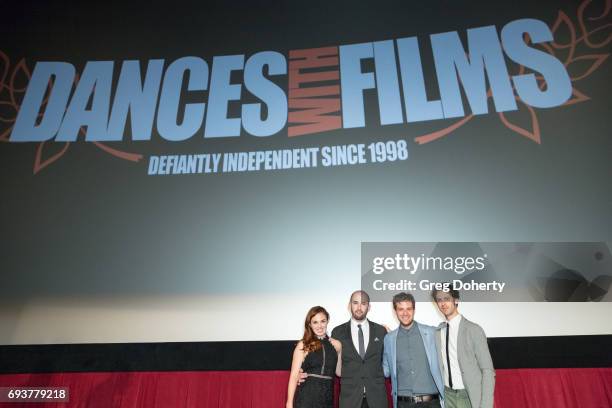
(310, 340)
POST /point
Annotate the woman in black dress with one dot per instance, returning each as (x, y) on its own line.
(317, 356)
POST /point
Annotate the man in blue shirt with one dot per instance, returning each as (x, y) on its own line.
(410, 358)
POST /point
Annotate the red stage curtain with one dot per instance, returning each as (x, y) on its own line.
(554, 388)
(520, 388)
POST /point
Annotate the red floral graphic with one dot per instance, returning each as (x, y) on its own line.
(578, 67)
(11, 95)
(40, 162)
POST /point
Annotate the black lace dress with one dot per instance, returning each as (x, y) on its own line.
(318, 389)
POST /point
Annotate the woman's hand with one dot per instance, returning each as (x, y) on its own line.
(338, 346)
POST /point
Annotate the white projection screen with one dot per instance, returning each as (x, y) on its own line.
(206, 182)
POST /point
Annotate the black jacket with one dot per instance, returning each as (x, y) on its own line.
(358, 373)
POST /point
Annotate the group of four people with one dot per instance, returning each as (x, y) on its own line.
(447, 366)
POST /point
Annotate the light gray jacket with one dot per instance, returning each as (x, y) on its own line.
(475, 362)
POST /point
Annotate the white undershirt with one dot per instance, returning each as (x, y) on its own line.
(365, 327)
(452, 351)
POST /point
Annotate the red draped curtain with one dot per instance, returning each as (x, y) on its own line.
(516, 388)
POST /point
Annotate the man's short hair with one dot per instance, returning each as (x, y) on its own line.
(453, 292)
(363, 293)
(402, 297)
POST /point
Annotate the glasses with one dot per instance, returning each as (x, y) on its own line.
(443, 299)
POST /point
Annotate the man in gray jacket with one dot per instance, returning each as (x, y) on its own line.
(469, 376)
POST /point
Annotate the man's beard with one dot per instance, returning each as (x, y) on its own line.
(361, 317)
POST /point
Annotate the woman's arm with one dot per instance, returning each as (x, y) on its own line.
(296, 364)
(338, 346)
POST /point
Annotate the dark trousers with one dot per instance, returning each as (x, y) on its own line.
(428, 404)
